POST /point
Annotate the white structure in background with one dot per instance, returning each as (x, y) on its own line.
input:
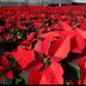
(48, 1)
(79, 1)
(12, 0)
(38, 2)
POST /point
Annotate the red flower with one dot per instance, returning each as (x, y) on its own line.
(30, 36)
(8, 22)
(10, 74)
(59, 47)
(43, 46)
(1, 28)
(23, 57)
(82, 33)
(37, 24)
(5, 68)
(77, 39)
(50, 75)
(64, 47)
(78, 43)
(53, 33)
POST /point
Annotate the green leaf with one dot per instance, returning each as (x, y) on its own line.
(8, 81)
(45, 31)
(33, 43)
(1, 52)
(35, 35)
(11, 60)
(16, 72)
(2, 22)
(23, 46)
(19, 80)
(71, 57)
(46, 61)
(19, 33)
(74, 22)
(25, 75)
(71, 72)
(13, 30)
(40, 27)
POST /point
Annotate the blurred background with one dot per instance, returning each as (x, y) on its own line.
(41, 2)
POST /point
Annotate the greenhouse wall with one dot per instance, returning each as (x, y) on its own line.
(37, 2)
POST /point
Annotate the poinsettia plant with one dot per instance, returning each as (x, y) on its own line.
(39, 45)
